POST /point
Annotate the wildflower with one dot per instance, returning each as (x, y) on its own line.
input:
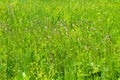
(86, 47)
(49, 37)
(23, 74)
(91, 64)
(78, 39)
(46, 27)
(5, 29)
(66, 28)
(107, 37)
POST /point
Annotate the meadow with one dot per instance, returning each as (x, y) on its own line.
(59, 39)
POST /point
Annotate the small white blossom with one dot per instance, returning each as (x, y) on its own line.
(46, 27)
(91, 64)
(49, 37)
(23, 74)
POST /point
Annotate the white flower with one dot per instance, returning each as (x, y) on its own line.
(46, 27)
(23, 74)
(49, 37)
(91, 64)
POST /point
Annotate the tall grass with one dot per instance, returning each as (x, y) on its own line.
(59, 40)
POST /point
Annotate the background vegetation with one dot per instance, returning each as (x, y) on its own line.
(59, 39)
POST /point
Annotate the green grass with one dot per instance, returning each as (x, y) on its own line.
(59, 40)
